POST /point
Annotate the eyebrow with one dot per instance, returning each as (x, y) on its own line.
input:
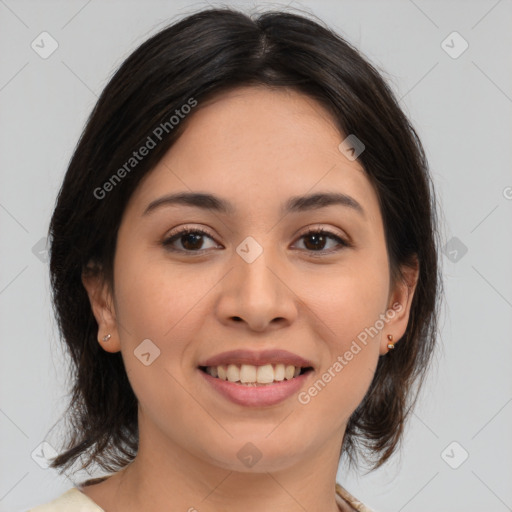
(213, 203)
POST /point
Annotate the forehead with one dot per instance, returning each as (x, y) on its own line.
(258, 143)
(274, 125)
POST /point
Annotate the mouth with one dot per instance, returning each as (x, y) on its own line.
(259, 386)
(254, 376)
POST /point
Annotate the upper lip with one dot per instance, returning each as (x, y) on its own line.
(257, 358)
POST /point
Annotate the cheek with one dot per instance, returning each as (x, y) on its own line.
(351, 298)
(157, 302)
(154, 297)
(161, 302)
(351, 306)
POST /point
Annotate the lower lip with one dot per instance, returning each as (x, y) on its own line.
(257, 396)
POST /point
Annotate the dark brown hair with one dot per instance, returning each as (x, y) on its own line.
(196, 58)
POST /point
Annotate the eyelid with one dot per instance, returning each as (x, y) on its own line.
(184, 229)
(323, 228)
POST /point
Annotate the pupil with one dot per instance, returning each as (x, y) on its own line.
(196, 241)
(320, 240)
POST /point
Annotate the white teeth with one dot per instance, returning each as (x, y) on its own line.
(221, 370)
(289, 371)
(233, 373)
(279, 372)
(265, 374)
(250, 374)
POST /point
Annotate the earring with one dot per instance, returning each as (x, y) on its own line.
(106, 337)
(391, 345)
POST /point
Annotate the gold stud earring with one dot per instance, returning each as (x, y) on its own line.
(106, 337)
(391, 345)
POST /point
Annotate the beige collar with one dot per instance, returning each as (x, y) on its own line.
(344, 497)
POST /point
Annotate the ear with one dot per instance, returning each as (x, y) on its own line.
(399, 304)
(102, 307)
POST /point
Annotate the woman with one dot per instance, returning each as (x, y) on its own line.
(244, 267)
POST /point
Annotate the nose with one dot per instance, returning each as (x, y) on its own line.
(257, 295)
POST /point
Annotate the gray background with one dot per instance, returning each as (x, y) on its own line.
(462, 109)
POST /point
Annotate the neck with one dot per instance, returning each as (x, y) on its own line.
(172, 475)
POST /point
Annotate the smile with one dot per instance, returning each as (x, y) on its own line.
(256, 386)
(251, 375)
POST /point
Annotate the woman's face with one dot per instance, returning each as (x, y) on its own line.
(253, 281)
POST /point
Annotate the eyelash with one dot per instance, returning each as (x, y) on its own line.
(311, 231)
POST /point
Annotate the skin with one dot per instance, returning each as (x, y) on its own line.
(255, 147)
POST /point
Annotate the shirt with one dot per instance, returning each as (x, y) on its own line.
(74, 500)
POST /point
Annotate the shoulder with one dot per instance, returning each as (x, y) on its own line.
(344, 498)
(71, 501)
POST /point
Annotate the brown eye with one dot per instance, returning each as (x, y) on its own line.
(191, 240)
(317, 240)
